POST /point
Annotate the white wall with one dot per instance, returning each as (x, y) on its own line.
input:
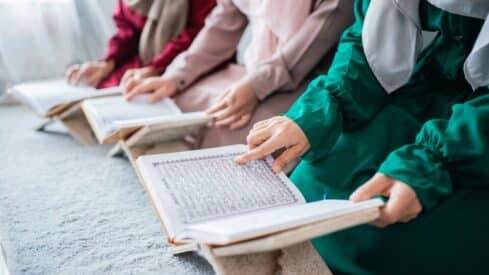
(40, 39)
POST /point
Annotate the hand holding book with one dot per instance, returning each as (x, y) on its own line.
(403, 204)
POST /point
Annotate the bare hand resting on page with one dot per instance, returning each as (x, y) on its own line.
(159, 88)
(90, 73)
(270, 135)
(234, 109)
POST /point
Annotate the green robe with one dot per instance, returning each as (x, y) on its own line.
(432, 134)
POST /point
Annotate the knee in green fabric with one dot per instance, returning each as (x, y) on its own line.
(311, 188)
(451, 239)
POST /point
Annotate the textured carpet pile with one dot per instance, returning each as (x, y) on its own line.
(68, 209)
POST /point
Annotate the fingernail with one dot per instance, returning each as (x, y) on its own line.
(243, 159)
(238, 160)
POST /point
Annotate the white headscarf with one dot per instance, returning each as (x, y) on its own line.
(272, 23)
(392, 40)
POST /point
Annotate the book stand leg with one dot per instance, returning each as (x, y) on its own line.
(75, 122)
(301, 258)
(79, 128)
(263, 263)
(45, 123)
(116, 150)
(132, 152)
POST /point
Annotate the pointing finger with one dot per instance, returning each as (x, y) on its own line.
(286, 157)
(259, 152)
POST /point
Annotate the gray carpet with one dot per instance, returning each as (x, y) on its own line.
(68, 209)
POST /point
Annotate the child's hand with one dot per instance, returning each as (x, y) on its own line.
(90, 73)
(159, 88)
(132, 75)
(403, 204)
(235, 107)
(270, 135)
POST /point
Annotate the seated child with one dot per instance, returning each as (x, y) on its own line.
(413, 126)
(150, 34)
(288, 39)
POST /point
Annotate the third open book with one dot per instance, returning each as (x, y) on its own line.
(50, 97)
(59, 101)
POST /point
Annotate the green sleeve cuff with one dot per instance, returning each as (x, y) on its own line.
(320, 119)
(421, 169)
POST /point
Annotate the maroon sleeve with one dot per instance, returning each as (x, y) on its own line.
(199, 9)
(124, 44)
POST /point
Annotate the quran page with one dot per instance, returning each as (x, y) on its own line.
(196, 186)
(44, 95)
(108, 114)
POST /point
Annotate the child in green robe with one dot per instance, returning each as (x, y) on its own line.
(423, 142)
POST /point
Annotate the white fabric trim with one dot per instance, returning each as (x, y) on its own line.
(391, 25)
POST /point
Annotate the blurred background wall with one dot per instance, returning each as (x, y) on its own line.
(41, 38)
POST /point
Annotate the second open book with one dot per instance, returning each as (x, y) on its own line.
(114, 118)
(203, 197)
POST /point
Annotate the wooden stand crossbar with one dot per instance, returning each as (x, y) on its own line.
(132, 152)
(146, 141)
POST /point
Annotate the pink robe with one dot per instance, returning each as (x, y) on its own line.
(204, 71)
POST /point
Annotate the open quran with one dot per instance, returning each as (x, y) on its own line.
(114, 118)
(51, 97)
(204, 197)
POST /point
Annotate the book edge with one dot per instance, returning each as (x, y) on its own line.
(172, 244)
(286, 237)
